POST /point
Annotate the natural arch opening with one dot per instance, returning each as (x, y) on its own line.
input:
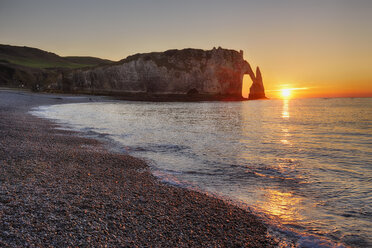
(246, 85)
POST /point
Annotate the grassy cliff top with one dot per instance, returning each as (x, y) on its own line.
(36, 58)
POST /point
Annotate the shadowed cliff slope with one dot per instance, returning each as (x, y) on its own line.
(33, 68)
(36, 58)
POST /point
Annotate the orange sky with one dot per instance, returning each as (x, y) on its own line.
(321, 45)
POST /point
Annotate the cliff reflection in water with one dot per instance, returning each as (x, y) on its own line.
(307, 162)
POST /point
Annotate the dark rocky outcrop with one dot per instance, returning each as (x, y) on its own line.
(17, 76)
(257, 90)
(215, 74)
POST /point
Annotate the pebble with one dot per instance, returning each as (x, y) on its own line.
(58, 188)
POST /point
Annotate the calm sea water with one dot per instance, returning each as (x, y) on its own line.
(306, 163)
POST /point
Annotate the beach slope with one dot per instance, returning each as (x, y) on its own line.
(58, 188)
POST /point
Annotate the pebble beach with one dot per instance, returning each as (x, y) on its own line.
(61, 189)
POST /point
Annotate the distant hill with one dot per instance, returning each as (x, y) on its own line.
(36, 58)
(32, 68)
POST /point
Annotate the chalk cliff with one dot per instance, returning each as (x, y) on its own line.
(216, 73)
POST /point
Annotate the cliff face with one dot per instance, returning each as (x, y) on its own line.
(216, 72)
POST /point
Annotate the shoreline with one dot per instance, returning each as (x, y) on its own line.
(61, 189)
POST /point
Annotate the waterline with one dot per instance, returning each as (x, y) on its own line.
(306, 162)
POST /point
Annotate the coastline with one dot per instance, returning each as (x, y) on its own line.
(60, 189)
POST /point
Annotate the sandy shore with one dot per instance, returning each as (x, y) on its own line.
(59, 189)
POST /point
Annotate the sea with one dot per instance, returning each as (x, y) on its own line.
(303, 165)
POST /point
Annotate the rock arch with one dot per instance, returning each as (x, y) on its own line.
(257, 90)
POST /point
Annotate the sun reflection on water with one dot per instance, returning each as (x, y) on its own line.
(285, 111)
(284, 205)
(285, 137)
(285, 115)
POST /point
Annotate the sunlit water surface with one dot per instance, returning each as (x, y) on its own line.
(306, 163)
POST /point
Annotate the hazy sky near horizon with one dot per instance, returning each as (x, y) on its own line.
(321, 45)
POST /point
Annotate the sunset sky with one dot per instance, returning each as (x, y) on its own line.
(317, 48)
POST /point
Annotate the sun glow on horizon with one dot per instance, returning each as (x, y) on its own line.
(286, 93)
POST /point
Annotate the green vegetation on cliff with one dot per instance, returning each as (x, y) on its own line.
(28, 67)
(36, 58)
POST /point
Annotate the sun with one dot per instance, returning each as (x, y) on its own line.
(286, 93)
